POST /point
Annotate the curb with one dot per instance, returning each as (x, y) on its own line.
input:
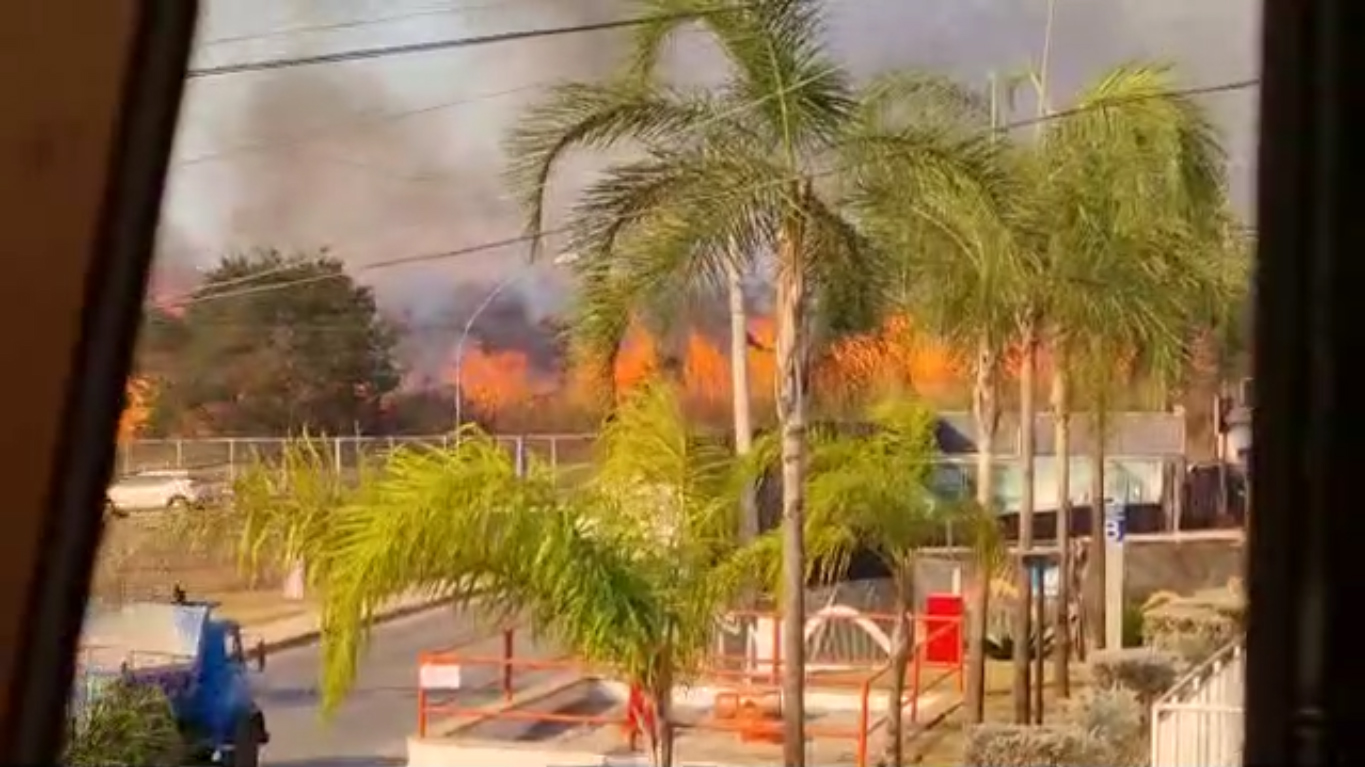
(309, 637)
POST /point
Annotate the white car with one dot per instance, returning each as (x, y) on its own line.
(149, 490)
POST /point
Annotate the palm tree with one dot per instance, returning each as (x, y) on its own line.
(745, 169)
(873, 492)
(628, 572)
(1092, 226)
(962, 271)
(1133, 186)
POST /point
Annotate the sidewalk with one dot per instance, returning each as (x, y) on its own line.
(304, 629)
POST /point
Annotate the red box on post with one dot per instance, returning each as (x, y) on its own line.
(943, 629)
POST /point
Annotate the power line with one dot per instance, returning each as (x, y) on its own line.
(526, 239)
(375, 119)
(359, 23)
(284, 268)
(1206, 90)
(366, 54)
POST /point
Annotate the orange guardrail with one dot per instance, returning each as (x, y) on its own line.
(744, 684)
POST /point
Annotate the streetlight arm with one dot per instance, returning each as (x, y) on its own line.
(464, 337)
(560, 260)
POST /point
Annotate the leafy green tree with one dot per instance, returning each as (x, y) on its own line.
(753, 169)
(628, 571)
(274, 343)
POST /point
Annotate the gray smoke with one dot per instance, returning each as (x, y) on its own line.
(345, 169)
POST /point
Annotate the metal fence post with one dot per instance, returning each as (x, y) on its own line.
(179, 454)
(336, 453)
(521, 456)
(232, 459)
(554, 452)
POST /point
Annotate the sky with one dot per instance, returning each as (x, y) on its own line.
(401, 156)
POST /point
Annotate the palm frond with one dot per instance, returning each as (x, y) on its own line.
(283, 507)
(460, 520)
(895, 100)
(800, 98)
(596, 117)
(627, 571)
(1133, 135)
(949, 206)
(673, 478)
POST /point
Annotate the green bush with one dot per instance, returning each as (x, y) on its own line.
(1143, 671)
(126, 725)
(1192, 629)
(1117, 720)
(1012, 745)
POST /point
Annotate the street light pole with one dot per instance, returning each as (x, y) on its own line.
(560, 260)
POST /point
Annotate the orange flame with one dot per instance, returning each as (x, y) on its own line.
(896, 355)
(497, 383)
(137, 409)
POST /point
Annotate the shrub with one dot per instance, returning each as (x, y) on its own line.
(1013, 745)
(1192, 629)
(1115, 719)
(1143, 671)
(126, 725)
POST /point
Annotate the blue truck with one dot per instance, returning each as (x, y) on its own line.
(196, 659)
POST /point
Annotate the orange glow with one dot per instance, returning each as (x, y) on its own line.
(896, 355)
(137, 409)
(499, 382)
(637, 360)
(707, 371)
(496, 381)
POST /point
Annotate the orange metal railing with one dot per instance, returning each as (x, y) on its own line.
(738, 676)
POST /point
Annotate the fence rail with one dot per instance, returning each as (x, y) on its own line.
(228, 455)
(1199, 722)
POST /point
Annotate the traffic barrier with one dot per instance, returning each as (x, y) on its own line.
(745, 695)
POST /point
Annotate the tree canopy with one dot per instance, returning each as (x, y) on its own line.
(247, 355)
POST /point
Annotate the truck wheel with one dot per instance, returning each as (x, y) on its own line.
(246, 746)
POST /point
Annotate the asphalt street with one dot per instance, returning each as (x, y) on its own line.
(371, 728)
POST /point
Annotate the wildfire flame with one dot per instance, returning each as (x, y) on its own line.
(499, 382)
(137, 408)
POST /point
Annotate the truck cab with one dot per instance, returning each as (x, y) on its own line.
(200, 663)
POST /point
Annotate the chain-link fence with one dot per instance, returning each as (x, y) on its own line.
(223, 457)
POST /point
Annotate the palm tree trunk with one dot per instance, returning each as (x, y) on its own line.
(663, 712)
(1061, 424)
(739, 388)
(900, 659)
(1095, 564)
(791, 416)
(985, 411)
(1022, 613)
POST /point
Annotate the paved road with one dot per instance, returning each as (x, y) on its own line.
(371, 727)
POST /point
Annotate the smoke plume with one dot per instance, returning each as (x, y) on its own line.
(401, 156)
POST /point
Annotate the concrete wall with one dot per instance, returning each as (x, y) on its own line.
(1183, 564)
